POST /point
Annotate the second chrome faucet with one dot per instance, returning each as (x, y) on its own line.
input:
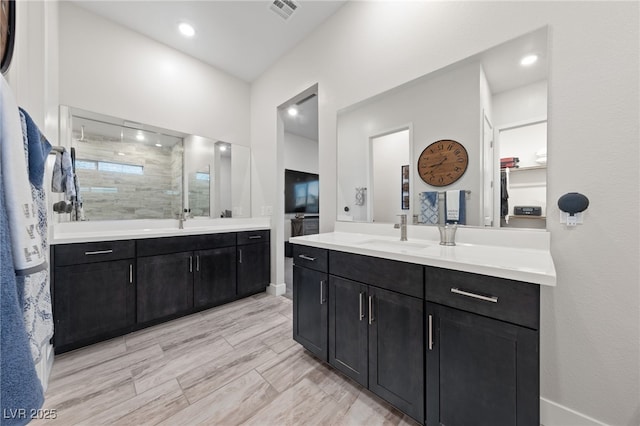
(403, 227)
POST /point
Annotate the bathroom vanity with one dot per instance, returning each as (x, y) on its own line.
(104, 285)
(448, 335)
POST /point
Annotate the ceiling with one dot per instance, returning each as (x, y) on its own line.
(242, 38)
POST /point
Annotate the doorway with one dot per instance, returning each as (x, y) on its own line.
(300, 168)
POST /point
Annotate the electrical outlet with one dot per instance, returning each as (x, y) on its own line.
(574, 220)
(268, 210)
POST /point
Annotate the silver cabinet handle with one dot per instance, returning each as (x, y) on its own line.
(361, 303)
(198, 263)
(130, 273)
(240, 254)
(89, 253)
(492, 299)
(371, 318)
(190, 263)
(430, 332)
(305, 257)
(255, 237)
(322, 299)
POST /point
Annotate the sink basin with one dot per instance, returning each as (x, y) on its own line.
(389, 245)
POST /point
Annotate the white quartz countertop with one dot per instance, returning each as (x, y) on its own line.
(532, 265)
(84, 232)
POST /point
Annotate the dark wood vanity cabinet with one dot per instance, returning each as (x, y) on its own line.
(173, 281)
(446, 347)
(165, 286)
(482, 350)
(376, 327)
(310, 299)
(254, 271)
(215, 277)
(93, 291)
(371, 334)
(105, 289)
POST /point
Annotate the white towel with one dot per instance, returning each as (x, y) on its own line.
(26, 243)
(453, 205)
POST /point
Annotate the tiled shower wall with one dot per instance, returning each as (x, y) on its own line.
(154, 194)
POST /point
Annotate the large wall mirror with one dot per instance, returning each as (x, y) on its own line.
(491, 103)
(129, 170)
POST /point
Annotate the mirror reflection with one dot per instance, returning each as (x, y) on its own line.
(129, 170)
(489, 103)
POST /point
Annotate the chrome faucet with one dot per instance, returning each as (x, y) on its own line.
(182, 217)
(403, 227)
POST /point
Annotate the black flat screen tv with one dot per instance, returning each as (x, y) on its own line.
(301, 192)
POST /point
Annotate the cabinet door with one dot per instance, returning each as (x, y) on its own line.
(93, 300)
(396, 350)
(310, 310)
(480, 371)
(253, 268)
(348, 325)
(165, 285)
(214, 281)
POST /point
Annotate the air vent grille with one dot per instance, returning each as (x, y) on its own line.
(284, 8)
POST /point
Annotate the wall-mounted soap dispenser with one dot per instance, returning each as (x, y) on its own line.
(572, 205)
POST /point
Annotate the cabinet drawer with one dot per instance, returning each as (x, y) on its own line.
(76, 254)
(253, 237)
(512, 301)
(405, 278)
(310, 257)
(167, 245)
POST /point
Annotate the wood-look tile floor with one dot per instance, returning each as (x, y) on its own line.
(235, 364)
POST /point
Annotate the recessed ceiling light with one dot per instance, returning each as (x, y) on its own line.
(293, 111)
(529, 60)
(186, 30)
(140, 136)
(158, 145)
(121, 153)
(223, 147)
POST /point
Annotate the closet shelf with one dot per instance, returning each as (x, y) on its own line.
(522, 169)
(526, 216)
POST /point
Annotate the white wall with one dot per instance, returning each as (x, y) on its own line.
(590, 329)
(109, 69)
(300, 153)
(444, 106)
(389, 153)
(525, 103)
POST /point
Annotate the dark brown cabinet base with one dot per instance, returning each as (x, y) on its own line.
(93, 301)
(480, 371)
(109, 288)
(445, 347)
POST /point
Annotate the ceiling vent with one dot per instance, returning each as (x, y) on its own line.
(284, 8)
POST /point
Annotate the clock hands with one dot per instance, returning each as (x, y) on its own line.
(440, 163)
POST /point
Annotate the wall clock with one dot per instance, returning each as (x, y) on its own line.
(7, 32)
(443, 162)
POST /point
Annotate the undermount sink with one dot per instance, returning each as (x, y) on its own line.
(393, 245)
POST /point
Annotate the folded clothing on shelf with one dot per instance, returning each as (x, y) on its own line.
(510, 162)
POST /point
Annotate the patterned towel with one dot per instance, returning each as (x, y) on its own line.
(20, 388)
(26, 244)
(429, 208)
(33, 289)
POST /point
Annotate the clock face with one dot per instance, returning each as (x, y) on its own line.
(443, 162)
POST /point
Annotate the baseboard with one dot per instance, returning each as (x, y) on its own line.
(277, 289)
(44, 367)
(554, 414)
